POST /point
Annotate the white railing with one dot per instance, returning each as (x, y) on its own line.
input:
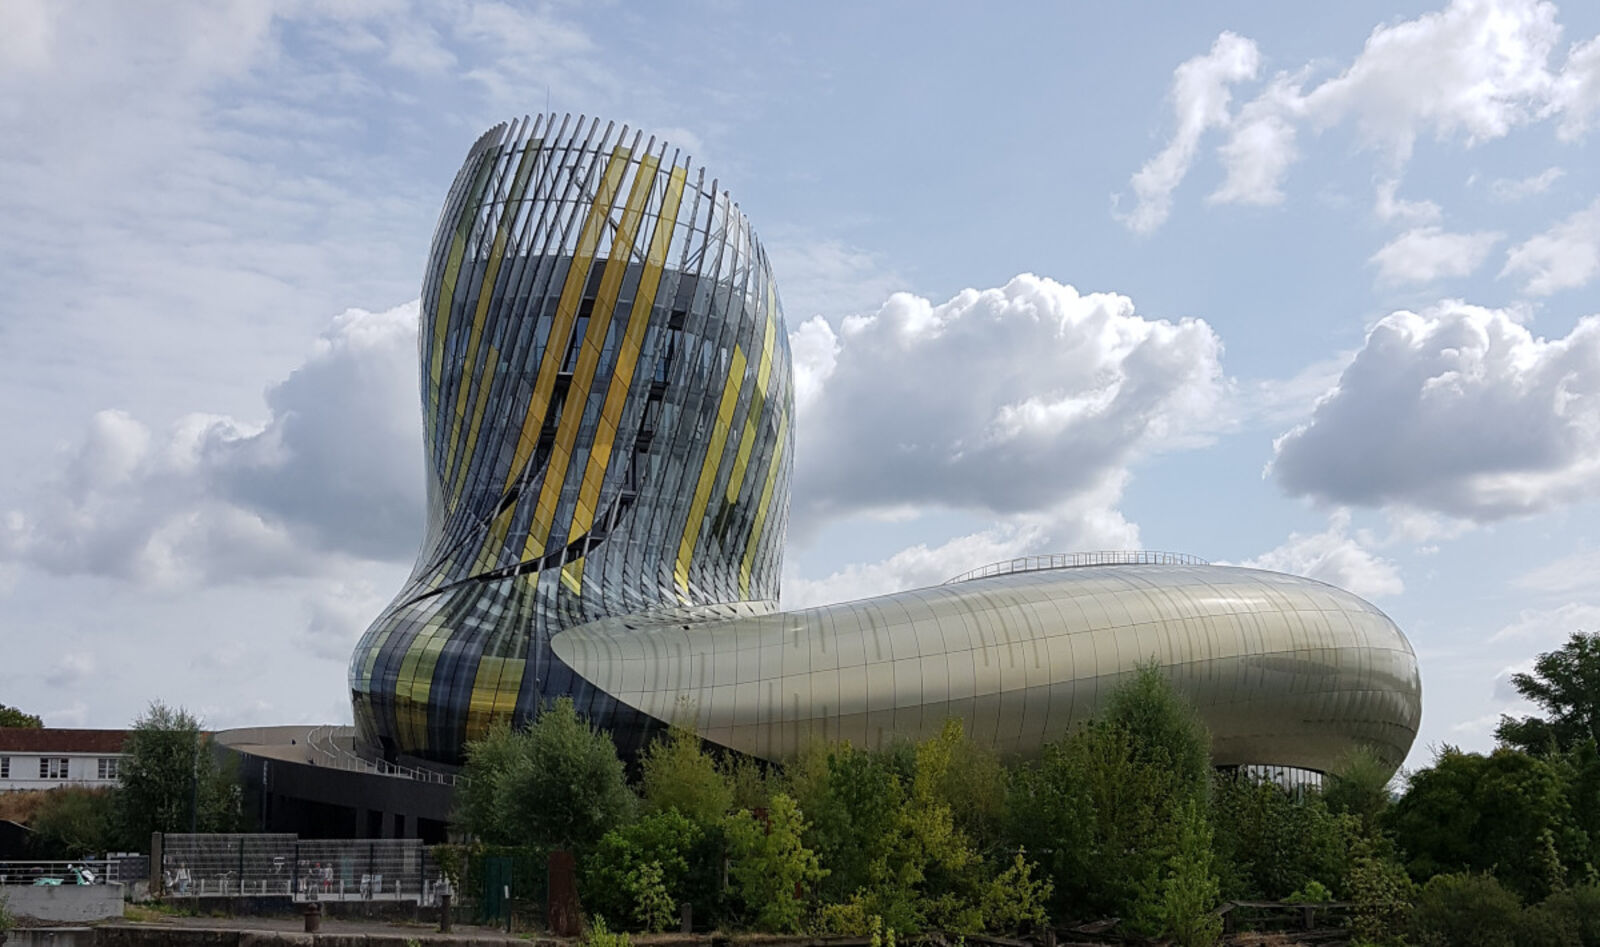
(1077, 560)
(326, 751)
(49, 872)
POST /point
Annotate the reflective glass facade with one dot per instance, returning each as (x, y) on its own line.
(607, 398)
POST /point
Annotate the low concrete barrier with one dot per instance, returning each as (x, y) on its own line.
(72, 904)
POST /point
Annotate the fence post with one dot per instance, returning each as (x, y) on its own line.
(241, 866)
(157, 880)
(294, 871)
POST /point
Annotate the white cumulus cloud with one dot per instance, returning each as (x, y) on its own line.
(336, 468)
(1458, 410)
(999, 401)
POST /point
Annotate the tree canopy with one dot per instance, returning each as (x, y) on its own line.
(172, 780)
(12, 717)
(1566, 684)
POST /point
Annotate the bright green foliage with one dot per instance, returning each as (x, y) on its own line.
(885, 826)
(1270, 842)
(74, 823)
(653, 907)
(1189, 893)
(1360, 787)
(1474, 813)
(171, 780)
(557, 784)
(1015, 898)
(677, 773)
(639, 867)
(1380, 893)
(771, 867)
(12, 717)
(1566, 683)
(1466, 910)
(972, 782)
(598, 935)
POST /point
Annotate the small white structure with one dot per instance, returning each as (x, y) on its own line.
(32, 758)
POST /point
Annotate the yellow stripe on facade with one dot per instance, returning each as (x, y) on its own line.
(594, 339)
(491, 363)
(753, 416)
(412, 685)
(628, 356)
(502, 233)
(759, 525)
(708, 469)
(447, 285)
(494, 693)
(555, 348)
(572, 575)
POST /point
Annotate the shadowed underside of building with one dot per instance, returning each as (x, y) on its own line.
(608, 410)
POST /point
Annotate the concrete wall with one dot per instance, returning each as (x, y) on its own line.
(69, 903)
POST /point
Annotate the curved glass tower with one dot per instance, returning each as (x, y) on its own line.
(607, 398)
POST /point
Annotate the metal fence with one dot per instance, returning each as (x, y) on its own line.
(85, 871)
(277, 866)
(1078, 560)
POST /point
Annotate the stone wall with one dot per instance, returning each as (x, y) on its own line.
(64, 903)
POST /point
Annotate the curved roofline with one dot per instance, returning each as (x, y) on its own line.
(1078, 560)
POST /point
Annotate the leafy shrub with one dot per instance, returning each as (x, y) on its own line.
(771, 866)
(1380, 893)
(637, 870)
(1466, 910)
(1015, 898)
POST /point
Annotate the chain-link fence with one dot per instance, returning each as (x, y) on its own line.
(276, 866)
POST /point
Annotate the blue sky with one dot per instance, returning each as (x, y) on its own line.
(1308, 287)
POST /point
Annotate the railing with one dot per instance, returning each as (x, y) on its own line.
(328, 752)
(67, 873)
(1075, 560)
(285, 866)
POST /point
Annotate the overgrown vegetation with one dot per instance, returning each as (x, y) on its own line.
(170, 779)
(1124, 818)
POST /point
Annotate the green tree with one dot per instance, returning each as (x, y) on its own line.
(1105, 803)
(771, 867)
(1189, 892)
(677, 773)
(1566, 683)
(12, 717)
(172, 779)
(74, 822)
(1475, 813)
(482, 801)
(556, 784)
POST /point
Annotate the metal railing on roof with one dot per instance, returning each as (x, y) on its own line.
(326, 751)
(1076, 560)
